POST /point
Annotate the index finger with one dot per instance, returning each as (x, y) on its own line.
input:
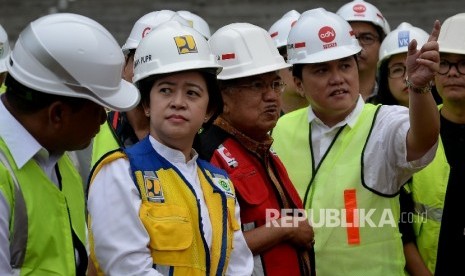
(435, 32)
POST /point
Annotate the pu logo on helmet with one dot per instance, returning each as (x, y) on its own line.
(146, 31)
(186, 44)
(359, 8)
(327, 34)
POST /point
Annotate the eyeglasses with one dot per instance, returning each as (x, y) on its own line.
(444, 67)
(261, 86)
(367, 38)
(397, 71)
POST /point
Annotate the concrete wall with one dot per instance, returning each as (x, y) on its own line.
(118, 16)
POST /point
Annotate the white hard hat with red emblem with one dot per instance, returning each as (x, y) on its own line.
(320, 36)
(359, 10)
(244, 50)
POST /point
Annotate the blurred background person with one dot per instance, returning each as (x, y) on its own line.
(291, 99)
(370, 28)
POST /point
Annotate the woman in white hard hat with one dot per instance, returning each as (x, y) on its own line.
(349, 159)
(54, 102)
(156, 208)
(239, 142)
(394, 91)
(124, 129)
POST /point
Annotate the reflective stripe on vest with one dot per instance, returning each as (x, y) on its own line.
(428, 212)
(18, 241)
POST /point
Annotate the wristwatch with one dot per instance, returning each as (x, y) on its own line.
(419, 90)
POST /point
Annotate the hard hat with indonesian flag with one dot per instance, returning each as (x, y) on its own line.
(397, 41)
(148, 22)
(280, 29)
(244, 50)
(173, 47)
(320, 36)
(86, 63)
(452, 36)
(359, 10)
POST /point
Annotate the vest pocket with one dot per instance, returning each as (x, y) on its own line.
(248, 184)
(168, 226)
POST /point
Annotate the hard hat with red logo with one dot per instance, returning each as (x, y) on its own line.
(4, 49)
(148, 22)
(196, 22)
(86, 63)
(359, 10)
(320, 36)
(244, 50)
(452, 36)
(280, 29)
(173, 47)
(397, 41)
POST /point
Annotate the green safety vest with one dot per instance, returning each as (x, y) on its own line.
(429, 188)
(337, 190)
(42, 216)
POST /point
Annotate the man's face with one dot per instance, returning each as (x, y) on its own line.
(332, 88)
(450, 81)
(370, 41)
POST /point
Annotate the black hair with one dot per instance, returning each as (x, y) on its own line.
(28, 101)
(297, 68)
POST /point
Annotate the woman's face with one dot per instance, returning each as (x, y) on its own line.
(178, 108)
(396, 79)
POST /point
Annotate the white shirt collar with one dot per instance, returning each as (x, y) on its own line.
(172, 155)
(22, 145)
(350, 120)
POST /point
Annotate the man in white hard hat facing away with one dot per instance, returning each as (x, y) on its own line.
(54, 103)
(349, 159)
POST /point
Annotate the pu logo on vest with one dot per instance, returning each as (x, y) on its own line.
(185, 44)
(153, 189)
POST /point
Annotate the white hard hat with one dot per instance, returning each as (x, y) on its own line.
(320, 36)
(245, 50)
(452, 36)
(359, 10)
(148, 22)
(280, 29)
(397, 41)
(4, 49)
(196, 22)
(72, 55)
(172, 47)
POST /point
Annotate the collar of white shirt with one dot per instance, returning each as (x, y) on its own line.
(350, 120)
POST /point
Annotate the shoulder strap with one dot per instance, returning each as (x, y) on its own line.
(18, 237)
